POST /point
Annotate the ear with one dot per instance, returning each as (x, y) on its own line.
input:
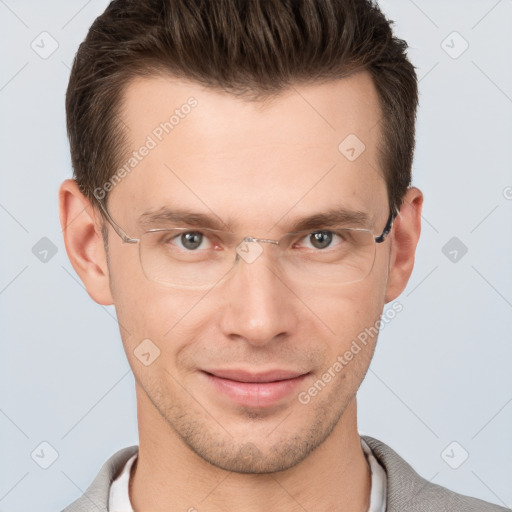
(81, 228)
(404, 238)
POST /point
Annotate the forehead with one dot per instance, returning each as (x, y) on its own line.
(310, 146)
(302, 113)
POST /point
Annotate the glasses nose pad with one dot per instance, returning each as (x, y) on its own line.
(249, 249)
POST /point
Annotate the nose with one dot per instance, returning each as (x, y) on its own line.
(259, 305)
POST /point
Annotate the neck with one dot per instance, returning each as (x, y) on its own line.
(169, 475)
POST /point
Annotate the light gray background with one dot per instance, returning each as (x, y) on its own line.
(441, 372)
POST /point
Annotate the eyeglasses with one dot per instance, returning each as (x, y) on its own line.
(187, 257)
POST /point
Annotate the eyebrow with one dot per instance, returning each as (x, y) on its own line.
(180, 216)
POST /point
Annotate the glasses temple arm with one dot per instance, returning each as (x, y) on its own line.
(124, 237)
(389, 224)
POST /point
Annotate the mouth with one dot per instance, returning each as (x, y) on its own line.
(257, 390)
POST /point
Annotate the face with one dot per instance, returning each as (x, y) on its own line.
(256, 167)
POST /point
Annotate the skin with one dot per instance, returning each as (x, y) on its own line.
(257, 166)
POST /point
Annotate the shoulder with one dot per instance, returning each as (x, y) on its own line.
(407, 490)
(95, 498)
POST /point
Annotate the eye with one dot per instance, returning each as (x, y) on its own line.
(320, 239)
(190, 240)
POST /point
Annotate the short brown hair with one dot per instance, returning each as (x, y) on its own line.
(248, 48)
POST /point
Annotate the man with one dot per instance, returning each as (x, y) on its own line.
(242, 196)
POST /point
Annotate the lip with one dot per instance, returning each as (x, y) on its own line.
(254, 389)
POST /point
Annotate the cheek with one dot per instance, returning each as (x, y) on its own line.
(349, 309)
(354, 318)
(351, 314)
(145, 310)
(131, 290)
(158, 326)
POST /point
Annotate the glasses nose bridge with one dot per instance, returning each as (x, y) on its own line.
(249, 248)
(264, 240)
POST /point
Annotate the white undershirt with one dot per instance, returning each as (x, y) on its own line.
(119, 500)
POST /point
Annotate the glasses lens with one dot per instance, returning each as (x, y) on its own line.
(331, 257)
(189, 258)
